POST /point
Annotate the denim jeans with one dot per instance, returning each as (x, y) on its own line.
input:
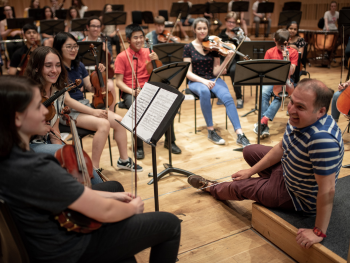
(51, 149)
(335, 112)
(267, 109)
(221, 91)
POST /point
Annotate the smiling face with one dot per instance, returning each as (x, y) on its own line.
(137, 41)
(201, 30)
(293, 30)
(69, 49)
(230, 23)
(94, 29)
(52, 68)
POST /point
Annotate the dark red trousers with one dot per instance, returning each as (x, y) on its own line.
(268, 189)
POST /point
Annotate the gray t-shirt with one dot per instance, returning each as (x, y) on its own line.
(36, 187)
(331, 19)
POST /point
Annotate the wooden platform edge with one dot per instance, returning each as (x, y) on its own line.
(282, 234)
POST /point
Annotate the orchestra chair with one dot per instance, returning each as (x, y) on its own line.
(164, 13)
(12, 246)
(137, 19)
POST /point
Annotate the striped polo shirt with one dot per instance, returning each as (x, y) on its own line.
(316, 149)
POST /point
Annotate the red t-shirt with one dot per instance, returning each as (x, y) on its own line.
(274, 53)
(139, 61)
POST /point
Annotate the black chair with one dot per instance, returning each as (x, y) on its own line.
(164, 13)
(304, 61)
(12, 246)
(147, 17)
(137, 19)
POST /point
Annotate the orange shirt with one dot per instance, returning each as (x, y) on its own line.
(274, 53)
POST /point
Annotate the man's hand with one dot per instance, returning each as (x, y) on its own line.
(306, 238)
(135, 92)
(100, 113)
(153, 56)
(242, 174)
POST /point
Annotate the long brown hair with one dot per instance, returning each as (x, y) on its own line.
(16, 93)
(36, 64)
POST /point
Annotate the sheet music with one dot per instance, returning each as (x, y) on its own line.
(155, 114)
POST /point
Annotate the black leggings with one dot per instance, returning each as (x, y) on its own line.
(119, 242)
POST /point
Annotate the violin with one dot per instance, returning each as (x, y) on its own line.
(343, 102)
(48, 102)
(98, 81)
(153, 64)
(285, 90)
(24, 60)
(166, 37)
(214, 43)
(79, 165)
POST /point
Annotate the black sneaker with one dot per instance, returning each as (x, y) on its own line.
(242, 140)
(214, 137)
(127, 165)
(140, 154)
(239, 104)
(174, 148)
(264, 130)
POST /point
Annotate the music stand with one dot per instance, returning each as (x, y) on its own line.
(84, 54)
(118, 7)
(292, 6)
(240, 6)
(178, 8)
(198, 9)
(52, 26)
(266, 7)
(173, 75)
(114, 18)
(61, 13)
(169, 53)
(288, 16)
(35, 13)
(261, 72)
(13, 23)
(218, 7)
(92, 13)
(79, 24)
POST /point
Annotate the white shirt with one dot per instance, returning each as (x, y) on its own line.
(82, 10)
(331, 20)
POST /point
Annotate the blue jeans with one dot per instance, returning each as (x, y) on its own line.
(221, 91)
(190, 21)
(51, 149)
(267, 109)
(335, 112)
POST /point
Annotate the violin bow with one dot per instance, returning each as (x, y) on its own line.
(222, 69)
(172, 30)
(134, 111)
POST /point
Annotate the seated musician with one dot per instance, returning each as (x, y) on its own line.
(331, 17)
(334, 110)
(46, 67)
(268, 111)
(73, 14)
(46, 39)
(10, 34)
(291, 175)
(185, 21)
(39, 188)
(93, 27)
(258, 17)
(296, 42)
(240, 16)
(139, 56)
(205, 66)
(34, 4)
(30, 33)
(110, 31)
(81, 7)
(228, 35)
(159, 28)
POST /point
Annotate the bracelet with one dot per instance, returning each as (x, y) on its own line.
(318, 232)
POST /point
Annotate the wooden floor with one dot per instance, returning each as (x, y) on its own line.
(212, 231)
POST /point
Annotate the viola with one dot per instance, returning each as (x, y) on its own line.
(79, 165)
(48, 102)
(343, 102)
(166, 37)
(153, 64)
(214, 43)
(98, 81)
(284, 90)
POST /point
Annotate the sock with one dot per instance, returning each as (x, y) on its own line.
(124, 161)
(264, 120)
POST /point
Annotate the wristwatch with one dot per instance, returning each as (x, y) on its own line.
(318, 232)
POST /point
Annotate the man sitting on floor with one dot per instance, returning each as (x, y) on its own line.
(301, 171)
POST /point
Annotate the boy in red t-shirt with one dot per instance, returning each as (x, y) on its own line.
(268, 111)
(127, 84)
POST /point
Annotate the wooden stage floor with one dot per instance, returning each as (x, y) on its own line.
(212, 231)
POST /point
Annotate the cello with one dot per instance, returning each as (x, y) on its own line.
(153, 64)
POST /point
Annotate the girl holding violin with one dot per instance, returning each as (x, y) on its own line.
(40, 188)
(204, 67)
(86, 117)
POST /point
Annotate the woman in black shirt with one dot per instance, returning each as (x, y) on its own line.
(205, 66)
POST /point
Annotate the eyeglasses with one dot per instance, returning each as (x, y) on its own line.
(230, 22)
(71, 48)
(93, 26)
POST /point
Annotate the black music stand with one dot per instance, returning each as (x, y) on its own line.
(52, 26)
(61, 13)
(292, 6)
(198, 9)
(114, 18)
(266, 7)
(261, 72)
(84, 54)
(13, 23)
(344, 21)
(36, 13)
(118, 7)
(255, 50)
(177, 8)
(240, 6)
(79, 24)
(169, 53)
(173, 75)
(218, 7)
(92, 13)
(288, 16)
